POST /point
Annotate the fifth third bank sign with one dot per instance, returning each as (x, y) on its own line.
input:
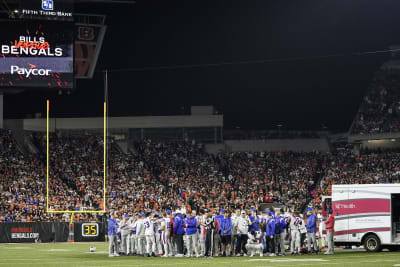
(48, 9)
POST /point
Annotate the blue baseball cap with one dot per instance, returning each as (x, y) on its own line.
(253, 209)
(309, 209)
(221, 210)
(168, 212)
(126, 215)
(155, 213)
(270, 213)
(330, 211)
(142, 214)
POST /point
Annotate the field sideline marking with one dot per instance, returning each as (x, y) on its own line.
(201, 262)
(209, 260)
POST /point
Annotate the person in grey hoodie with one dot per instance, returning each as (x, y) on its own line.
(235, 219)
(124, 227)
(243, 229)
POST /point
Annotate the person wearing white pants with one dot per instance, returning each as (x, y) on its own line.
(330, 228)
(132, 249)
(124, 227)
(322, 231)
(202, 233)
(112, 235)
(167, 238)
(295, 222)
(311, 226)
(254, 245)
(140, 236)
(166, 229)
(157, 226)
(191, 234)
(132, 246)
(149, 233)
(150, 245)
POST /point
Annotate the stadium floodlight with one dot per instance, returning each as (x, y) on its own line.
(104, 167)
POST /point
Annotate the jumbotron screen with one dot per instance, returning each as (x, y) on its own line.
(36, 54)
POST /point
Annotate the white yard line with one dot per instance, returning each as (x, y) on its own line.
(287, 260)
(318, 263)
(206, 261)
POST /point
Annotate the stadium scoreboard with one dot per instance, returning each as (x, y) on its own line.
(90, 229)
(37, 46)
(36, 54)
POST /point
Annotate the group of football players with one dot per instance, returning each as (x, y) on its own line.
(177, 233)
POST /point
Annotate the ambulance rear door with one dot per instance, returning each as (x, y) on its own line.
(340, 198)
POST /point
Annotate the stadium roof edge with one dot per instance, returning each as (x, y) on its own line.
(142, 122)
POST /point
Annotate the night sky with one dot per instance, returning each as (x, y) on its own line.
(300, 94)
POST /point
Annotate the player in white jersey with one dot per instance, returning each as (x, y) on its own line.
(124, 227)
(202, 232)
(254, 244)
(149, 233)
(157, 225)
(295, 223)
(132, 236)
(140, 235)
(166, 230)
(303, 232)
(322, 230)
(118, 236)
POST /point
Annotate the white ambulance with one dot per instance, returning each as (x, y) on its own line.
(366, 214)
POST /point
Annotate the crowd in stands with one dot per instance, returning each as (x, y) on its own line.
(22, 187)
(77, 164)
(162, 175)
(380, 109)
(370, 167)
(176, 174)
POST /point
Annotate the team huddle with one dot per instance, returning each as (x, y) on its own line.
(209, 234)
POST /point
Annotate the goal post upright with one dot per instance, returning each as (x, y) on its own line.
(73, 212)
(105, 157)
(47, 155)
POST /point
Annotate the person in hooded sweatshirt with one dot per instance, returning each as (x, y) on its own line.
(243, 223)
(254, 221)
(125, 224)
(179, 231)
(217, 234)
(280, 226)
(112, 235)
(270, 234)
(226, 232)
(191, 234)
(311, 231)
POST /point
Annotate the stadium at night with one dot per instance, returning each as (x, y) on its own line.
(166, 132)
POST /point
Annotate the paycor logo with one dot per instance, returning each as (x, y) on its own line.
(28, 72)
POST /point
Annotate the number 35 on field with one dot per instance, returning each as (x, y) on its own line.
(90, 229)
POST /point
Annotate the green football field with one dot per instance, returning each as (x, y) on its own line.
(77, 255)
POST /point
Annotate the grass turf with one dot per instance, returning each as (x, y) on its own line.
(77, 255)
